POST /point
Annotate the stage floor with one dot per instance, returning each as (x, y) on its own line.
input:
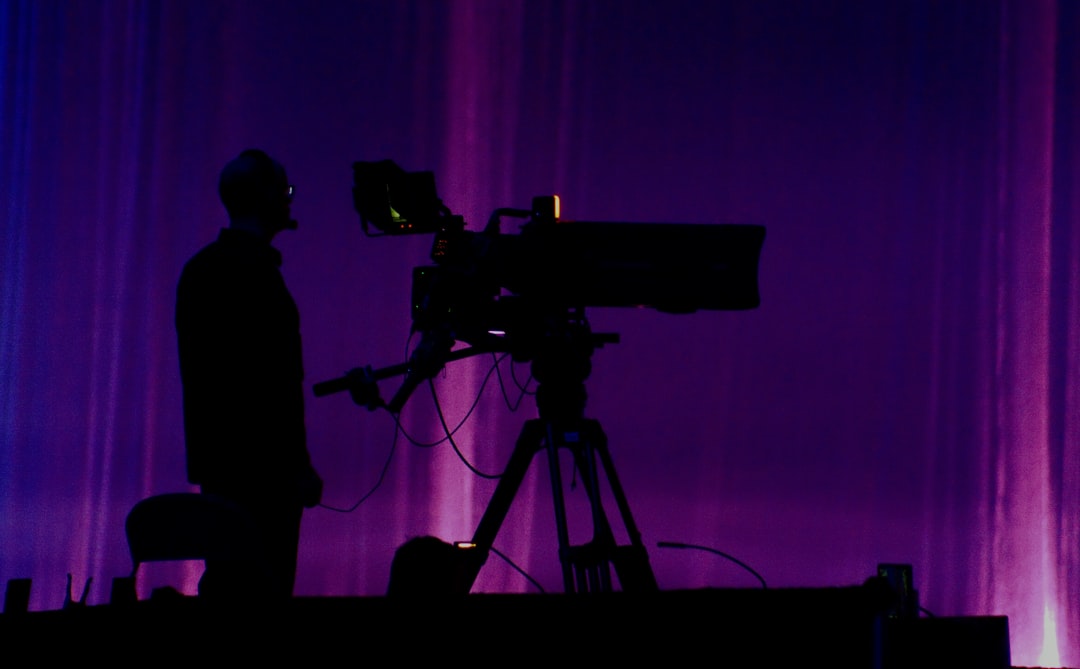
(818, 627)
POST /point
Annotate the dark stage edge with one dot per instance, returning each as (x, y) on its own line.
(799, 627)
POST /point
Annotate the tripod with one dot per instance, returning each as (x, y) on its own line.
(561, 365)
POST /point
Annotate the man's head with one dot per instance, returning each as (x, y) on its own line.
(256, 193)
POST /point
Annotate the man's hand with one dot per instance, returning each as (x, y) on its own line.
(363, 389)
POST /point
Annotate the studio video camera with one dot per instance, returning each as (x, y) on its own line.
(513, 292)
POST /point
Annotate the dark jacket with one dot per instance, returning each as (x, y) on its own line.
(238, 331)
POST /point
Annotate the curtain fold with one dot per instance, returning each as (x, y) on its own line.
(907, 391)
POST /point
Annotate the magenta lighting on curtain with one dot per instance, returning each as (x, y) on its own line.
(907, 392)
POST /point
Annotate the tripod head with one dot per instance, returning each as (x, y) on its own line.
(561, 362)
(561, 359)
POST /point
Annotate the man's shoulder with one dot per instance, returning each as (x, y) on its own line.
(208, 258)
(233, 249)
(215, 267)
(222, 253)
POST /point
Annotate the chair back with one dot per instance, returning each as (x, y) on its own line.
(189, 526)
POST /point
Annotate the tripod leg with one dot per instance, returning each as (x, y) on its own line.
(525, 449)
(566, 554)
(593, 558)
(631, 562)
(584, 567)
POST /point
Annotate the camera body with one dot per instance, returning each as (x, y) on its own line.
(490, 282)
(526, 293)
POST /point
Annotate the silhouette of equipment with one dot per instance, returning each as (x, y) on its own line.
(561, 368)
(525, 294)
(561, 362)
(180, 526)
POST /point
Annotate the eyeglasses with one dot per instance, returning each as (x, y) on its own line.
(290, 191)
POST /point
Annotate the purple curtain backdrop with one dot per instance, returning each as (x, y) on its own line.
(906, 392)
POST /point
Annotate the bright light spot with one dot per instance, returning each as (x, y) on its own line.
(1049, 657)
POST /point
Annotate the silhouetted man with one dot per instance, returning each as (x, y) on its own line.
(238, 331)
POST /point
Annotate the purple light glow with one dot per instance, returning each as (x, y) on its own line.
(906, 392)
